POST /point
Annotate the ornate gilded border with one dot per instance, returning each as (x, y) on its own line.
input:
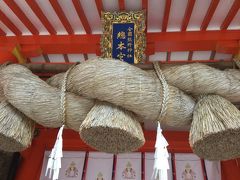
(136, 17)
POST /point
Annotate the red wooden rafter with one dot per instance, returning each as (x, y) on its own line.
(2, 33)
(213, 53)
(82, 16)
(46, 58)
(166, 15)
(9, 24)
(66, 59)
(99, 5)
(21, 15)
(41, 16)
(168, 56)
(188, 14)
(60, 13)
(209, 15)
(85, 57)
(231, 14)
(190, 55)
(121, 4)
(145, 7)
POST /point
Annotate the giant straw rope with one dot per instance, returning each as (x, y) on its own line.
(124, 87)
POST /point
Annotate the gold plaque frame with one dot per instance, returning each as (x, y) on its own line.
(136, 17)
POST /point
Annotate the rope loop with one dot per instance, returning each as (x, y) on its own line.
(63, 95)
(165, 88)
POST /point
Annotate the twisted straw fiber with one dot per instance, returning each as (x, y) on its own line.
(129, 87)
(202, 79)
(16, 130)
(39, 101)
(111, 129)
(215, 130)
(233, 72)
(108, 128)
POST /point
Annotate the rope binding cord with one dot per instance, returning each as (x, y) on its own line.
(54, 161)
(161, 164)
(165, 88)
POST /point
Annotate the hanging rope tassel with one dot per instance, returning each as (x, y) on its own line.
(161, 155)
(54, 161)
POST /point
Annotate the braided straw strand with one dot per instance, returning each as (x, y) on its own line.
(63, 95)
(165, 95)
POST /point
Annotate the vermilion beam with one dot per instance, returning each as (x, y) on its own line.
(194, 36)
(221, 41)
(99, 5)
(41, 16)
(9, 24)
(121, 4)
(18, 12)
(210, 12)
(231, 14)
(188, 14)
(82, 16)
(166, 15)
(57, 8)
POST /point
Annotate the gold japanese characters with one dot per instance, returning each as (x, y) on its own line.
(123, 36)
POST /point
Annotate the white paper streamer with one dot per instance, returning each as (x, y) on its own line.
(54, 161)
(161, 164)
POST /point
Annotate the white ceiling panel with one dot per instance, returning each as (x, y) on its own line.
(133, 5)
(155, 15)
(222, 56)
(176, 16)
(175, 56)
(32, 17)
(10, 14)
(38, 59)
(6, 30)
(220, 14)
(72, 16)
(76, 57)
(199, 11)
(201, 55)
(56, 58)
(91, 12)
(160, 56)
(110, 5)
(235, 24)
(48, 10)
